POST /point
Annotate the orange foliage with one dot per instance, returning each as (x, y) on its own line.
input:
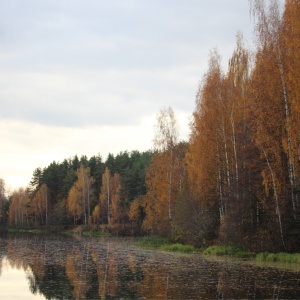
(18, 213)
(39, 205)
(160, 190)
(80, 195)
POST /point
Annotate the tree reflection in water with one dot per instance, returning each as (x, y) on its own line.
(65, 267)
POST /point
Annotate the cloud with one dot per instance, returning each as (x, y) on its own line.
(89, 76)
(87, 97)
(26, 145)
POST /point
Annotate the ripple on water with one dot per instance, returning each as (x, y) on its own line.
(93, 268)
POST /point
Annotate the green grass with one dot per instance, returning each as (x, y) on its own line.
(278, 257)
(179, 248)
(162, 244)
(262, 257)
(229, 251)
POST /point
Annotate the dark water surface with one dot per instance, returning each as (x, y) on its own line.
(62, 267)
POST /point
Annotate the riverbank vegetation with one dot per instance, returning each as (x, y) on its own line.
(156, 242)
(159, 243)
(237, 179)
(282, 257)
(228, 251)
(278, 257)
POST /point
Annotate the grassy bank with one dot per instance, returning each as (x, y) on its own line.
(230, 251)
(261, 257)
(155, 242)
(35, 231)
(278, 257)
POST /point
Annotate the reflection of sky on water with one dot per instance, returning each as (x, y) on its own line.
(63, 267)
(14, 284)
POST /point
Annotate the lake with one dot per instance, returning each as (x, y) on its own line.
(64, 267)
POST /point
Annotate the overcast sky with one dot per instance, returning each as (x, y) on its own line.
(88, 77)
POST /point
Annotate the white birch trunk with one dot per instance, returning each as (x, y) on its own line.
(226, 153)
(277, 208)
(289, 139)
(219, 186)
(170, 185)
(235, 156)
(108, 200)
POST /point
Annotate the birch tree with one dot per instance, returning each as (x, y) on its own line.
(18, 209)
(290, 37)
(39, 205)
(80, 195)
(269, 22)
(165, 140)
(105, 195)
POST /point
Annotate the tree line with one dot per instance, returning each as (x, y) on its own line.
(237, 179)
(80, 191)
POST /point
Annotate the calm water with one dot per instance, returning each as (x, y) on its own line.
(59, 267)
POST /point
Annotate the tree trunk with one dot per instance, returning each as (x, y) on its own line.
(277, 208)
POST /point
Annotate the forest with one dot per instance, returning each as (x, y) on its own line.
(236, 181)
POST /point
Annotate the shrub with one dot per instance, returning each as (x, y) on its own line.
(162, 244)
(278, 257)
(180, 248)
(230, 251)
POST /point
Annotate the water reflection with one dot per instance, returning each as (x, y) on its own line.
(110, 268)
(8, 279)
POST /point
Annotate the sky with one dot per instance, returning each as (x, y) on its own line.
(89, 77)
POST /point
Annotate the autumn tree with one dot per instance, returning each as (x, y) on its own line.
(105, 196)
(96, 215)
(165, 177)
(276, 128)
(136, 214)
(80, 195)
(290, 37)
(18, 209)
(165, 140)
(238, 214)
(39, 205)
(156, 202)
(74, 206)
(272, 26)
(154, 207)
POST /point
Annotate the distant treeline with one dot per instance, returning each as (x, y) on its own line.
(81, 191)
(237, 180)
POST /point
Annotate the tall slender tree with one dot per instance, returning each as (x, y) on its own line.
(269, 24)
(165, 140)
(80, 194)
(105, 196)
(18, 209)
(290, 37)
(39, 205)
